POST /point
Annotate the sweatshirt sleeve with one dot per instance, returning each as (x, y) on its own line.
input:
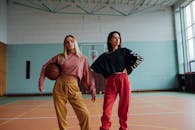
(98, 65)
(88, 79)
(133, 60)
(42, 74)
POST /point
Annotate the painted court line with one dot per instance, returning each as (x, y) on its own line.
(19, 116)
(98, 115)
(146, 113)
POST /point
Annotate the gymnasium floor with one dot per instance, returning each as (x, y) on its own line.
(148, 111)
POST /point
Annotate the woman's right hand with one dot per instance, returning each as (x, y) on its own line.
(93, 95)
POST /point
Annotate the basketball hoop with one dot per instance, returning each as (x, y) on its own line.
(93, 54)
(93, 57)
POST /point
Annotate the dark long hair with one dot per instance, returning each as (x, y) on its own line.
(109, 46)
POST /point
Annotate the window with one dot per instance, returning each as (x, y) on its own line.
(189, 12)
(185, 35)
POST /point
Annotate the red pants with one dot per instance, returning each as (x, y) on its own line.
(117, 83)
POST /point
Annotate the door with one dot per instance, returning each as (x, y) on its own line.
(3, 71)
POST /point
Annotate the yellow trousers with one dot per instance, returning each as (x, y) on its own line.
(69, 90)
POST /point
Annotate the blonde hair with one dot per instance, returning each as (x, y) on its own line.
(77, 50)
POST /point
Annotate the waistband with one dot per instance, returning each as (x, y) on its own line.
(119, 73)
(69, 78)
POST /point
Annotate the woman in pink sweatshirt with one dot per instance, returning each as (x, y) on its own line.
(75, 68)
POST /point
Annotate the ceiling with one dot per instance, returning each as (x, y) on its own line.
(95, 7)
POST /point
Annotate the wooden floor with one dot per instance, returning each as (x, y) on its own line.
(148, 111)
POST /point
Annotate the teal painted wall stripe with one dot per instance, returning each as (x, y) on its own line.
(157, 72)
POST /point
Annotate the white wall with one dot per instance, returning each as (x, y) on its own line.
(28, 25)
(3, 21)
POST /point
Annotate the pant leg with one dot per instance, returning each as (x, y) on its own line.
(60, 100)
(80, 108)
(109, 99)
(124, 99)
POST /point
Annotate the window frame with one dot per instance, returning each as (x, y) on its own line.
(186, 55)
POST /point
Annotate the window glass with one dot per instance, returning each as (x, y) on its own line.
(193, 8)
(191, 49)
(188, 16)
(189, 32)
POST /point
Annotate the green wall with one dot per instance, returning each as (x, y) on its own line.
(157, 72)
(159, 68)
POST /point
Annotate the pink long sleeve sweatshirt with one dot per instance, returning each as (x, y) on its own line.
(73, 65)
